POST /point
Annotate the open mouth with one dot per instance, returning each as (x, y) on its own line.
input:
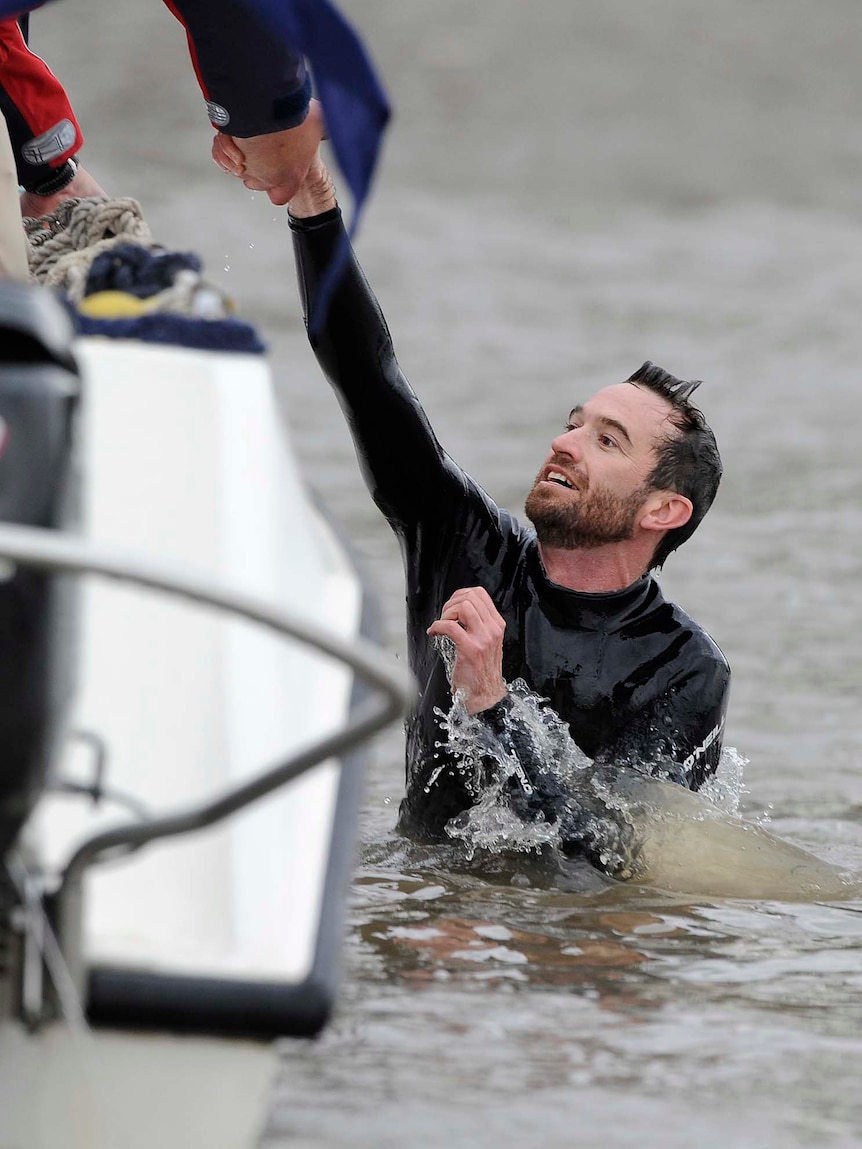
(560, 479)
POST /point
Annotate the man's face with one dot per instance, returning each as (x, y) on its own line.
(594, 482)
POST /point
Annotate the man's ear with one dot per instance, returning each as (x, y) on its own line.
(665, 511)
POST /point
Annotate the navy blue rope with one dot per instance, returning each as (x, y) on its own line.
(138, 270)
(176, 330)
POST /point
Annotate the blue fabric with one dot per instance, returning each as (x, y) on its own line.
(354, 103)
(18, 7)
(138, 270)
(176, 330)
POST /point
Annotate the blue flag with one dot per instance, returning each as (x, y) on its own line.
(354, 103)
(355, 106)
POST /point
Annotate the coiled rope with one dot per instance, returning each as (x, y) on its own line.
(64, 244)
(101, 254)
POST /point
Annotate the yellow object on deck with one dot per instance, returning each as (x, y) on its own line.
(116, 305)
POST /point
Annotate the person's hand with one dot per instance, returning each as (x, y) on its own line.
(476, 628)
(228, 155)
(82, 186)
(276, 163)
(316, 195)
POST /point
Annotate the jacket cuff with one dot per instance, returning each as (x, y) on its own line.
(279, 115)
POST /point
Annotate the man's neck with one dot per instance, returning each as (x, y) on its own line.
(593, 570)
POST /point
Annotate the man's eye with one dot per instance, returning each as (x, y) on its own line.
(607, 441)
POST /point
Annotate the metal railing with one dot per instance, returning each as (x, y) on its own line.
(51, 551)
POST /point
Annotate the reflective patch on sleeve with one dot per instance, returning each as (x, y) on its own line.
(218, 115)
(699, 751)
(51, 144)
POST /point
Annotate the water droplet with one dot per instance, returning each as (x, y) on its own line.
(386, 800)
(227, 267)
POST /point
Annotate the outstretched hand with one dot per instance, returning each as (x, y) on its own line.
(476, 628)
(276, 163)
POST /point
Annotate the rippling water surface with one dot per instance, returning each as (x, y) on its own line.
(569, 189)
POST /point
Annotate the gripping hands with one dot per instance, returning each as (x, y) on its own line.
(277, 163)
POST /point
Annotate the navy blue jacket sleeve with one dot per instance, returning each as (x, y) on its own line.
(253, 82)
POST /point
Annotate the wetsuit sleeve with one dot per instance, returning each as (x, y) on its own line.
(43, 129)
(586, 825)
(253, 82)
(411, 478)
(677, 740)
(679, 736)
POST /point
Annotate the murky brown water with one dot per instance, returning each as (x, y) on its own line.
(569, 189)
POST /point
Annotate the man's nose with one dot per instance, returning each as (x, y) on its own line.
(569, 443)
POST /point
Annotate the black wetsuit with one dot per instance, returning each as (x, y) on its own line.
(633, 676)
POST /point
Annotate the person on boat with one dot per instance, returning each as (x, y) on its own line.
(254, 84)
(571, 606)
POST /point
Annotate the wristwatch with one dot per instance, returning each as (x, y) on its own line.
(58, 179)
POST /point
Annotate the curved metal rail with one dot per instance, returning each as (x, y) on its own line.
(51, 551)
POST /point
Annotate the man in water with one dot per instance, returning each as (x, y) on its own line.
(569, 606)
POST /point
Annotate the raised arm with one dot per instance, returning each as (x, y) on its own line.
(410, 477)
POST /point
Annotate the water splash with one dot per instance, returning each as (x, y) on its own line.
(726, 787)
(534, 789)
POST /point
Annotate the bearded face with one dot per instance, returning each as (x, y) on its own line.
(569, 514)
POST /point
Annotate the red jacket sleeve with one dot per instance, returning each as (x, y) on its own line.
(42, 126)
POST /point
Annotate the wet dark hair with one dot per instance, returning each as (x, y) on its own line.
(688, 462)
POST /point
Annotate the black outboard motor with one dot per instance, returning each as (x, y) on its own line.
(39, 392)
